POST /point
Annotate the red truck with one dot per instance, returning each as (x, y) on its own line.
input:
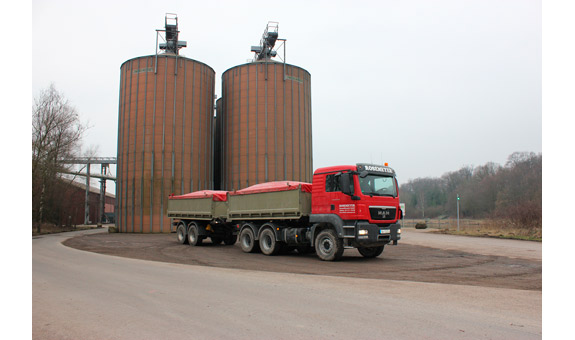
(348, 206)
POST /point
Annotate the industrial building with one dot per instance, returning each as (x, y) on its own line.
(72, 208)
(171, 142)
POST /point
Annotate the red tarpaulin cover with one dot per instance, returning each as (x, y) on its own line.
(274, 186)
(216, 195)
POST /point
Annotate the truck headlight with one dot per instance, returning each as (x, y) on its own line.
(362, 232)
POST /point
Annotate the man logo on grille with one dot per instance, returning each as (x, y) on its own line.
(383, 213)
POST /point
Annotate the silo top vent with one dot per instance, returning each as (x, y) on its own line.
(172, 44)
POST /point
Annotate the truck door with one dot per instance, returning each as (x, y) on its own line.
(339, 203)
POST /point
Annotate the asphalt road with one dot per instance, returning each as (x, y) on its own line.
(84, 295)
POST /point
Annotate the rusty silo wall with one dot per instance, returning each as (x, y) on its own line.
(164, 137)
(266, 128)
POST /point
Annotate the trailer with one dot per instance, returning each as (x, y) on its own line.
(344, 207)
(270, 217)
(199, 215)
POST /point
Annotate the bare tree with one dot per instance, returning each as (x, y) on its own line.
(56, 134)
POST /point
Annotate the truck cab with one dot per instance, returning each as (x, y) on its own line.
(360, 203)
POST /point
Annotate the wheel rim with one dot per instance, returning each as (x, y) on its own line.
(267, 241)
(193, 236)
(180, 234)
(246, 240)
(326, 245)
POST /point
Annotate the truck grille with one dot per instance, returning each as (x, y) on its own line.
(382, 213)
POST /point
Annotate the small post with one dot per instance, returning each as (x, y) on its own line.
(87, 203)
(458, 212)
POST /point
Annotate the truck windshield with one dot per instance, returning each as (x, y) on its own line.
(377, 185)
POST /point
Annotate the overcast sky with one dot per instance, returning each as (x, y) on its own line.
(427, 86)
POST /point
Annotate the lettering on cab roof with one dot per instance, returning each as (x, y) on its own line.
(375, 168)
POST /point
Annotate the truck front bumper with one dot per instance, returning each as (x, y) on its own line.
(371, 235)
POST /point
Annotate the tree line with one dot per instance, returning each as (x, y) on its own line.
(56, 134)
(512, 192)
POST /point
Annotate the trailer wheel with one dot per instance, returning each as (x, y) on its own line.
(194, 238)
(248, 241)
(268, 243)
(328, 246)
(182, 233)
(371, 251)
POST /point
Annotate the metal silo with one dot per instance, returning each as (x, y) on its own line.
(164, 134)
(266, 121)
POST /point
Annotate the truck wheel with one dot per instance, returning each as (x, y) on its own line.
(230, 240)
(328, 246)
(268, 243)
(248, 241)
(371, 251)
(216, 239)
(194, 238)
(182, 233)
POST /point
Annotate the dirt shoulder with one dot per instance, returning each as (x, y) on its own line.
(407, 262)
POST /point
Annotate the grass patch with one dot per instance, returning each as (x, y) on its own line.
(531, 235)
(482, 228)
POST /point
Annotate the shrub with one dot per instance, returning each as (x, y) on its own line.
(421, 225)
(523, 214)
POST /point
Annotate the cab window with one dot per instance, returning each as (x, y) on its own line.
(332, 183)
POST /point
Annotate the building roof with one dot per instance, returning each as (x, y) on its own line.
(92, 189)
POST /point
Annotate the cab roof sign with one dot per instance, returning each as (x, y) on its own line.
(372, 168)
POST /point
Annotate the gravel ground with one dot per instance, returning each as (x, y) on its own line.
(440, 263)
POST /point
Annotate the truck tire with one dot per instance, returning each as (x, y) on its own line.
(268, 243)
(216, 239)
(230, 240)
(328, 246)
(194, 238)
(248, 241)
(371, 251)
(182, 233)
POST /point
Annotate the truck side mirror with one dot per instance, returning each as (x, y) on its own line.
(345, 184)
